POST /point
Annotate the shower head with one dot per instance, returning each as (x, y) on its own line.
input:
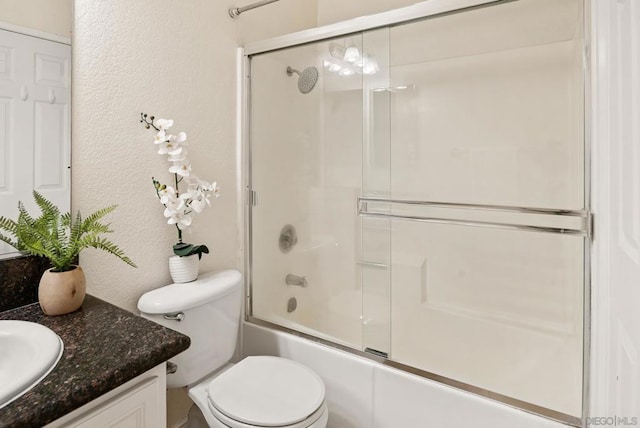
(307, 80)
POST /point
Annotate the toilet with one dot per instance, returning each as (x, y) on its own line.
(260, 391)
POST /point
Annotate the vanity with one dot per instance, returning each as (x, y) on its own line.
(112, 371)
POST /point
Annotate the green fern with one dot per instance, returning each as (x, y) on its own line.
(56, 236)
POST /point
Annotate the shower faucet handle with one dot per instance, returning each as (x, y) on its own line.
(300, 281)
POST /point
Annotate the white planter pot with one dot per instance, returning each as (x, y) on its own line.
(183, 269)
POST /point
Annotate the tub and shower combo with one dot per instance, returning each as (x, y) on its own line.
(419, 194)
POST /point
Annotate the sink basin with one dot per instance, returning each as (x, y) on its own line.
(28, 353)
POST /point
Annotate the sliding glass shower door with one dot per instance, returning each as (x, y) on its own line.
(420, 197)
(486, 142)
(306, 144)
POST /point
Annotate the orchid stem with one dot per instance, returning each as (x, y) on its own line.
(143, 119)
(175, 177)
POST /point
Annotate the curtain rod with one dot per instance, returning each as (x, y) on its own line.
(234, 12)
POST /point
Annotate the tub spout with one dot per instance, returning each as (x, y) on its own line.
(300, 281)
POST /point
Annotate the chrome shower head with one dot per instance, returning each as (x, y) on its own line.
(307, 80)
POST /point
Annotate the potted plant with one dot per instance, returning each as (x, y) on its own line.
(59, 238)
(180, 204)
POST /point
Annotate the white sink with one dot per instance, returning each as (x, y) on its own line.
(28, 353)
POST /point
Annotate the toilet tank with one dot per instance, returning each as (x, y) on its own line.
(208, 311)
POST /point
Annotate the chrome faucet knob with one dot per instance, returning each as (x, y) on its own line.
(299, 281)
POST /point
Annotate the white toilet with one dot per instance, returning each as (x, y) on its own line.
(258, 391)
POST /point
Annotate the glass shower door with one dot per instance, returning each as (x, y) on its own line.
(419, 195)
(484, 210)
(306, 142)
(375, 266)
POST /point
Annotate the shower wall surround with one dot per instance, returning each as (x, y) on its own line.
(435, 176)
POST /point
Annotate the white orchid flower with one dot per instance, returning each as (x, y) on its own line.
(195, 198)
(164, 124)
(181, 138)
(181, 219)
(182, 168)
(167, 194)
(185, 222)
(198, 204)
(176, 213)
(180, 206)
(173, 145)
(215, 189)
(178, 157)
(169, 148)
(193, 181)
(205, 185)
(160, 137)
(173, 206)
(190, 193)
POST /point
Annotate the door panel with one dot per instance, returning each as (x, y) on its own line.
(616, 390)
(35, 123)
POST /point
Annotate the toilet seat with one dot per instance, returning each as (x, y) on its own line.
(267, 392)
(307, 423)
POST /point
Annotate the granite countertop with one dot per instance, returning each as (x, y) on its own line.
(104, 347)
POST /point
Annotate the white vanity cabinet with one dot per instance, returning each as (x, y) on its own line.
(139, 403)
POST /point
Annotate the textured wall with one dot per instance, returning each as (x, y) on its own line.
(176, 60)
(50, 16)
(330, 11)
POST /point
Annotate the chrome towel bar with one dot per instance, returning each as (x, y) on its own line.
(503, 208)
(585, 230)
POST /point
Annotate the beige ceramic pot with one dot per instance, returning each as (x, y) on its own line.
(60, 293)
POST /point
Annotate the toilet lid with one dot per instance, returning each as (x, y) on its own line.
(267, 391)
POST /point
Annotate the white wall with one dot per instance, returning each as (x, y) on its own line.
(50, 16)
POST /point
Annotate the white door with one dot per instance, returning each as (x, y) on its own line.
(35, 99)
(615, 387)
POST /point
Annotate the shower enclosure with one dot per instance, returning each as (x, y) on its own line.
(419, 195)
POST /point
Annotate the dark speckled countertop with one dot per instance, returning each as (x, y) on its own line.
(104, 347)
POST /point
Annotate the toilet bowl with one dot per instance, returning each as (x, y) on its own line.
(262, 392)
(258, 391)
